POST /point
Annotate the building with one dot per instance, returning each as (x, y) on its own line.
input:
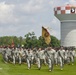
(67, 16)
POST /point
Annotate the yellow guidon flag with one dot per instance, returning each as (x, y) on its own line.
(46, 35)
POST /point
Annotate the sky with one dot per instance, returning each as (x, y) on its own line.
(18, 17)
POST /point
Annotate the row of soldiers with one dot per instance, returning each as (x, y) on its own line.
(48, 56)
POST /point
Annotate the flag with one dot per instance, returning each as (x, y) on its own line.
(46, 35)
(12, 45)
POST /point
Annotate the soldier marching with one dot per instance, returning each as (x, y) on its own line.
(39, 56)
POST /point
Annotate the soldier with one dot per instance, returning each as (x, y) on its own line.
(13, 55)
(34, 56)
(8, 54)
(21, 53)
(50, 57)
(66, 55)
(56, 56)
(72, 55)
(4, 54)
(29, 58)
(40, 59)
(61, 57)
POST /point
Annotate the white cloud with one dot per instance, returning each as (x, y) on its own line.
(54, 21)
(55, 24)
(6, 13)
(54, 3)
(33, 6)
(28, 15)
(71, 2)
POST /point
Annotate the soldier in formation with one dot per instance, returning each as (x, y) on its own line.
(49, 56)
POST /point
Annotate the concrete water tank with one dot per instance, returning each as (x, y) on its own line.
(67, 16)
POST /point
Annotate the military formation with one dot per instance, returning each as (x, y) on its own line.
(39, 56)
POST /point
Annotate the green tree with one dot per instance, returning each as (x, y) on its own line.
(31, 40)
(55, 42)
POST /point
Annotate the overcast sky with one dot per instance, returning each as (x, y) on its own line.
(18, 17)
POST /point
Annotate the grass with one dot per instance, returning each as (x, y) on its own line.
(10, 69)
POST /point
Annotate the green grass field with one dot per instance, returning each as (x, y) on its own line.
(10, 69)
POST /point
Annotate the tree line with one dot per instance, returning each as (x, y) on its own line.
(30, 40)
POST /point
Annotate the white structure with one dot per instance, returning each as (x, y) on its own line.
(67, 16)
